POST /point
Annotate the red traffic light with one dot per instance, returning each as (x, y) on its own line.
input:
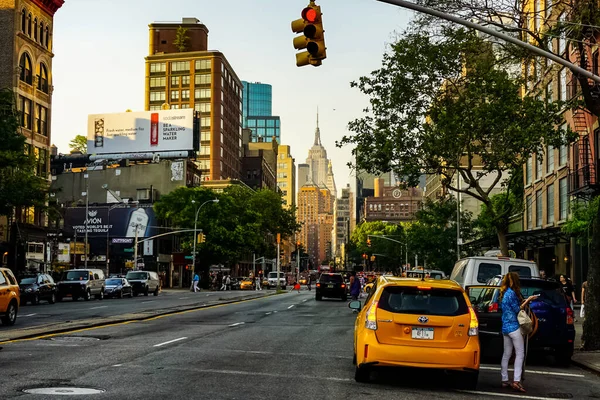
(309, 14)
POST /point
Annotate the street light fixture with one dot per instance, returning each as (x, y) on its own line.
(195, 234)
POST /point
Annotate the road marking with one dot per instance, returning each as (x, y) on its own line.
(118, 365)
(269, 313)
(29, 315)
(149, 301)
(291, 306)
(305, 300)
(538, 372)
(237, 323)
(95, 308)
(170, 341)
(271, 375)
(183, 298)
(514, 396)
(292, 354)
(274, 311)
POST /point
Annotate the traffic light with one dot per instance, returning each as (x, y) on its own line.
(368, 242)
(312, 38)
(201, 238)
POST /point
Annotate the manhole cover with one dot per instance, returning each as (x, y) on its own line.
(560, 395)
(64, 391)
(74, 339)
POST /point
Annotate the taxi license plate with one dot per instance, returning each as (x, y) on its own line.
(422, 333)
(329, 286)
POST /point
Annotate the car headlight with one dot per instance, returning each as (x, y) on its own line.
(28, 290)
(119, 287)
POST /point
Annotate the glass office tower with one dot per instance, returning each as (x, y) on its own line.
(257, 112)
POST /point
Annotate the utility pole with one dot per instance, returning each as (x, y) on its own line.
(458, 239)
(278, 261)
(135, 248)
(87, 209)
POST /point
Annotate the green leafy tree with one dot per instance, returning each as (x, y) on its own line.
(389, 255)
(19, 186)
(181, 39)
(79, 143)
(581, 219)
(443, 107)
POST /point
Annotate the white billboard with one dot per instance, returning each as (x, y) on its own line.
(147, 131)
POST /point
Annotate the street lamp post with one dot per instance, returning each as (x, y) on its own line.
(195, 234)
(87, 217)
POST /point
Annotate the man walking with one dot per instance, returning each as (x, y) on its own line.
(257, 286)
(195, 282)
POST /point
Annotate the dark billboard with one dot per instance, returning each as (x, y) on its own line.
(119, 222)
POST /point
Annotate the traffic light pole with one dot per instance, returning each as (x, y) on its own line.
(278, 267)
(495, 33)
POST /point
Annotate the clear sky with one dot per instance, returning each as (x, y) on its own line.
(100, 46)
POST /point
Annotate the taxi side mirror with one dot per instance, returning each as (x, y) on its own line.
(355, 305)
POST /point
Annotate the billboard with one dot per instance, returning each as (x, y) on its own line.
(120, 222)
(146, 131)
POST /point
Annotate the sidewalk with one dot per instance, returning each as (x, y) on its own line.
(585, 359)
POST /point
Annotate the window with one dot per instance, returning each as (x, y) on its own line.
(185, 94)
(563, 199)
(25, 108)
(550, 49)
(202, 93)
(538, 14)
(175, 81)
(528, 211)
(538, 209)
(175, 107)
(202, 79)
(549, 92)
(562, 40)
(41, 33)
(528, 171)
(205, 150)
(158, 67)
(29, 22)
(202, 107)
(42, 158)
(563, 85)
(180, 66)
(548, 8)
(174, 94)
(550, 204)
(47, 38)
(205, 136)
(549, 159)
(26, 73)
(157, 96)
(185, 80)
(41, 120)
(23, 21)
(521, 270)
(202, 64)
(205, 122)
(35, 29)
(43, 79)
(487, 271)
(538, 168)
(155, 108)
(158, 82)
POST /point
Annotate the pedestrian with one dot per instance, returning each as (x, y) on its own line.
(584, 287)
(512, 302)
(567, 287)
(224, 283)
(543, 274)
(195, 283)
(297, 286)
(354, 286)
(308, 282)
(257, 286)
(228, 283)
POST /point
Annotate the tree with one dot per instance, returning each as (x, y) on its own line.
(181, 39)
(388, 254)
(444, 107)
(433, 235)
(19, 186)
(79, 143)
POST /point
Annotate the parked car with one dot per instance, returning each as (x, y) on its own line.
(10, 297)
(37, 287)
(331, 285)
(84, 283)
(272, 280)
(409, 322)
(145, 282)
(555, 330)
(118, 287)
(247, 284)
(478, 270)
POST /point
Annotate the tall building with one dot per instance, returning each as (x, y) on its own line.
(257, 114)
(303, 174)
(345, 222)
(259, 165)
(317, 160)
(315, 214)
(286, 175)
(365, 187)
(182, 73)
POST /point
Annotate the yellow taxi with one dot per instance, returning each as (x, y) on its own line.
(424, 323)
(368, 287)
(303, 280)
(9, 297)
(247, 284)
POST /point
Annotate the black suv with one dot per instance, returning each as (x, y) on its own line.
(37, 287)
(331, 285)
(555, 330)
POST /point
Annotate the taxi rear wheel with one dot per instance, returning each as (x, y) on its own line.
(362, 374)
(10, 317)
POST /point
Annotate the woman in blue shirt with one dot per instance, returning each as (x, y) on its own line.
(512, 302)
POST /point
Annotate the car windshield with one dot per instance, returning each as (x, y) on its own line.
(27, 281)
(136, 275)
(75, 275)
(429, 301)
(326, 278)
(273, 275)
(549, 293)
(114, 282)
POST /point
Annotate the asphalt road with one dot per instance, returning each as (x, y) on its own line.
(279, 347)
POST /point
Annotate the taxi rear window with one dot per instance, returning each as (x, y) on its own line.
(429, 301)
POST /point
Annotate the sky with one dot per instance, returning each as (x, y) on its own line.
(100, 46)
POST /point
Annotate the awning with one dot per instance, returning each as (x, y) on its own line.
(537, 238)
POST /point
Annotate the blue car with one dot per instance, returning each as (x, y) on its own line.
(554, 332)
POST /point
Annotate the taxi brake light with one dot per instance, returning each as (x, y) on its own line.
(424, 287)
(474, 324)
(371, 321)
(343, 286)
(570, 316)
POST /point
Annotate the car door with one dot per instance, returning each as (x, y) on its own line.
(4, 292)
(484, 300)
(41, 282)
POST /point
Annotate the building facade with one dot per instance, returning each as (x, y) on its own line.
(315, 214)
(259, 165)
(257, 112)
(286, 175)
(392, 203)
(182, 73)
(345, 222)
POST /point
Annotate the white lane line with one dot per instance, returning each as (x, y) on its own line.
(305, 300)
(149, 301)
(118, 365)
(271, 375)
(29, 315)
(514, 396)
(292, 306)
(538, 372)
(274, 311)
(96, 308)
(269, 313)
(309, 355)
(237, 323)
(170, 341)
(183, 298)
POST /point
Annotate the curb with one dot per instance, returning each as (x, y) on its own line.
(85, 324)
(586, 365)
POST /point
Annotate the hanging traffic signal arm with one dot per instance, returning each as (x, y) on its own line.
(312, 39)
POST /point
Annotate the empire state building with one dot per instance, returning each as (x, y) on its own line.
(320, 171)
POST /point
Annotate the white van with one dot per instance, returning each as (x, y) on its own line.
(272, 279)
(477, 270)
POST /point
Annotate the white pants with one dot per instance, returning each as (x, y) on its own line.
(513, 340)
(582, 311)
(195, 286)
(258, 284)
(224, 287)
